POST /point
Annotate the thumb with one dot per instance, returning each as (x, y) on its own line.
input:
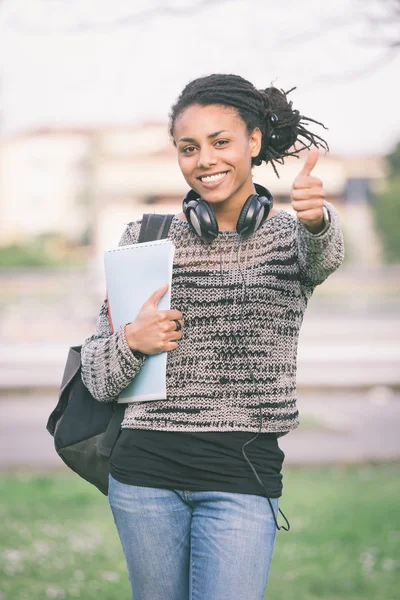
(157, 295)
(311, 161)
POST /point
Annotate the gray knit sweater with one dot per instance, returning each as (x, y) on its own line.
(209, 385)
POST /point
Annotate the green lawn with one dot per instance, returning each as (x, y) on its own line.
(58, 538)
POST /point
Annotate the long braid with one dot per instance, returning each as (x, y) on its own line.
(282, 127)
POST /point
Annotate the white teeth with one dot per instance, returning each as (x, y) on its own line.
(212, 178)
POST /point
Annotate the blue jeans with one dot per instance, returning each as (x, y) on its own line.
(183, 545)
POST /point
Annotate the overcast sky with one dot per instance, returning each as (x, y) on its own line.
(93, 62)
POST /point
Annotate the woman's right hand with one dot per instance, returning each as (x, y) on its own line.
(154, 331)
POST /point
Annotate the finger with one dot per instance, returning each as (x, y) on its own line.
(171, 314)
(312, 214)
(173, 324)
(311, 161)
(171, 346)
(303, 205)
(172, 336)
(157, 295)
(168, 326)
(169, 341)
(307, 194)
(306, 181)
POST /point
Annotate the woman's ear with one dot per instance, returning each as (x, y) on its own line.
(255, 140)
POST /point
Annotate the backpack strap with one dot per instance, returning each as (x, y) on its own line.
(153, 227)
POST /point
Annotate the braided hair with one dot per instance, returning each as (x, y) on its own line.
(282, 127)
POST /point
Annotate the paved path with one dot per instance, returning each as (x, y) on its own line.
(351, 428)
(355, 427)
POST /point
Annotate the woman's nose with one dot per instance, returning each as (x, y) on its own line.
(206, 158)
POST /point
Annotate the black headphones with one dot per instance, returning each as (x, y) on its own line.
(201, 219)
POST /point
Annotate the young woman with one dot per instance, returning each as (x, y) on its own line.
(195, 479)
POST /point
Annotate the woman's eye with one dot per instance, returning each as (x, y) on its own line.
(188, 149)
(220, 143)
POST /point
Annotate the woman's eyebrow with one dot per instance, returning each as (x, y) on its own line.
(212, 135)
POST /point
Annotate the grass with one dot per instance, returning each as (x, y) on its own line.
(58, 538)
(47, 250)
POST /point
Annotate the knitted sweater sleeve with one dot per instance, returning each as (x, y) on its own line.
(108, 365)
(319, 255)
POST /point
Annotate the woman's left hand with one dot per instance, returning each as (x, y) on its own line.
(307, 195)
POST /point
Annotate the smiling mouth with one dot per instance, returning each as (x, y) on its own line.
(213, 178)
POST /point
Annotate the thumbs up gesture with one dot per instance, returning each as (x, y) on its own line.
(307, 195)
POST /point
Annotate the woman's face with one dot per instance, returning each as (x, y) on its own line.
(215, 152)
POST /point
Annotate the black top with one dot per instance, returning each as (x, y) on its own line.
(203, 461)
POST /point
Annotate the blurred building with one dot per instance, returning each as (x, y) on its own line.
(86, 184)
(43, 183)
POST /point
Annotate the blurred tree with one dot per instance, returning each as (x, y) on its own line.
(386, 209)
(394, 161)
(78, 16)
(387, 25)
(46, 250)
(378, 19)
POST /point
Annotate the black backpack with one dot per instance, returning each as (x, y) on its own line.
(84, 429)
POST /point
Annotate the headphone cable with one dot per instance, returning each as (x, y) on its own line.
(252, 377)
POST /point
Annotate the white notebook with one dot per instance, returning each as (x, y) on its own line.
(133, 273)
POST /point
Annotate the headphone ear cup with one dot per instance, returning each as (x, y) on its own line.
(255, 211)
(200, 216)
(253, 214)
(207, 221)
